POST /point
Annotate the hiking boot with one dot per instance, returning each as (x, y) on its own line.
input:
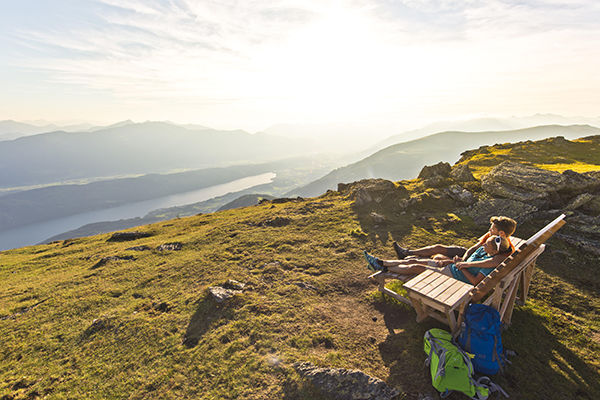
(374, 263)
(401, 252)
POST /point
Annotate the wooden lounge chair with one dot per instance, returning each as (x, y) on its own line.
(433, 294)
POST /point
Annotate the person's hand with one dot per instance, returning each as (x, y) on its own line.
(457, 259)
(460, 265)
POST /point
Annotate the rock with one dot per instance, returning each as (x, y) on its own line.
(576, 182)
(127, 236)
(220, 294)
(590, 246)
(368, 192)
(521, 182)
(343, 384)
(234, 285)
(280, 200)
(592, 207)
(579, 201)
(482, 210)
(436, 182)
(104, 260)
(441, 169)
(460, 194)
(162, 307)
(304, 285)
(174, 246)
(139, 248)
(377, 218)
(462, 173)
(276, 222)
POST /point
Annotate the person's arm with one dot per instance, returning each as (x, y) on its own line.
(474, 279)
(489, 263)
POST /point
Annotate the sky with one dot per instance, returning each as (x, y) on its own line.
(256, 63)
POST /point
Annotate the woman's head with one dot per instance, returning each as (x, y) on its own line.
(496, 245)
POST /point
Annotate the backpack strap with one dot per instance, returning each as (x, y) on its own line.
(485, 382)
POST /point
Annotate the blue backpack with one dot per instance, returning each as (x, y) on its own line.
(480, 336)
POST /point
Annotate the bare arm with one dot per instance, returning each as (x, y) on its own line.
(474, 279)
(471, 249)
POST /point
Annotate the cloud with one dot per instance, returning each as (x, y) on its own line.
(352, 56)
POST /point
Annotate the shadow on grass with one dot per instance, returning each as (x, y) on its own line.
(543, 369)
(207, 314)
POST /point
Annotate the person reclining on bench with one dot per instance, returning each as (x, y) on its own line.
(483, 260)
(501, 226)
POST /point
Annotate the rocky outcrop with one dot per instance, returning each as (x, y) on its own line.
(462, 173)
(482, 210)
(435, 176)
(369, 192)
(127, 236)
(440, 169)
(343, 384)
(521, 182)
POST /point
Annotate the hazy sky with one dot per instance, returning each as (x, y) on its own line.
(250, 64)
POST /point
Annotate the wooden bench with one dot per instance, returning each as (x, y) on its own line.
(435, 295)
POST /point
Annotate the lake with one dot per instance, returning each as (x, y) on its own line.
(36, 233)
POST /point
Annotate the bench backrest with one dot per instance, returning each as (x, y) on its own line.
(524, 254)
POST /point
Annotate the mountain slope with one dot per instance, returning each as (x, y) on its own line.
(151, 147)
(76, 323)
(405, 160)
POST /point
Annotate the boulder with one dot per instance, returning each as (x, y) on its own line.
(441, 169)
(580, 201)
(372, 191)
(170, 246)
(460, 194)
(343, 384)
(522, 182)
(592, 207)
(462, 173)
(482, 210)
(220, 294)
(576, 182)
(234, 285)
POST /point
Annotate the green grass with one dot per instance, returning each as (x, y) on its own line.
(193, 347)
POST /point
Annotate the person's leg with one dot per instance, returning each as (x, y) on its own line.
(411, 269)
(429, 251)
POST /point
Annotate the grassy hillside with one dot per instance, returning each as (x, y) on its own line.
(144, 326)
(405, 160)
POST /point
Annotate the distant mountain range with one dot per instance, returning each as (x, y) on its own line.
(405, 160)
(134, 148)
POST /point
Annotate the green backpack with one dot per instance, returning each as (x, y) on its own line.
(451, 368)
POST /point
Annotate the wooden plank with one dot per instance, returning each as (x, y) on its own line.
(515, 259)
(420, 309)
(451, 319)
(459, 320)
(456, 285)
(430, 282)
(442, 285)
(418, 278)
(396, 296)
(509, 302)
(459, 295)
